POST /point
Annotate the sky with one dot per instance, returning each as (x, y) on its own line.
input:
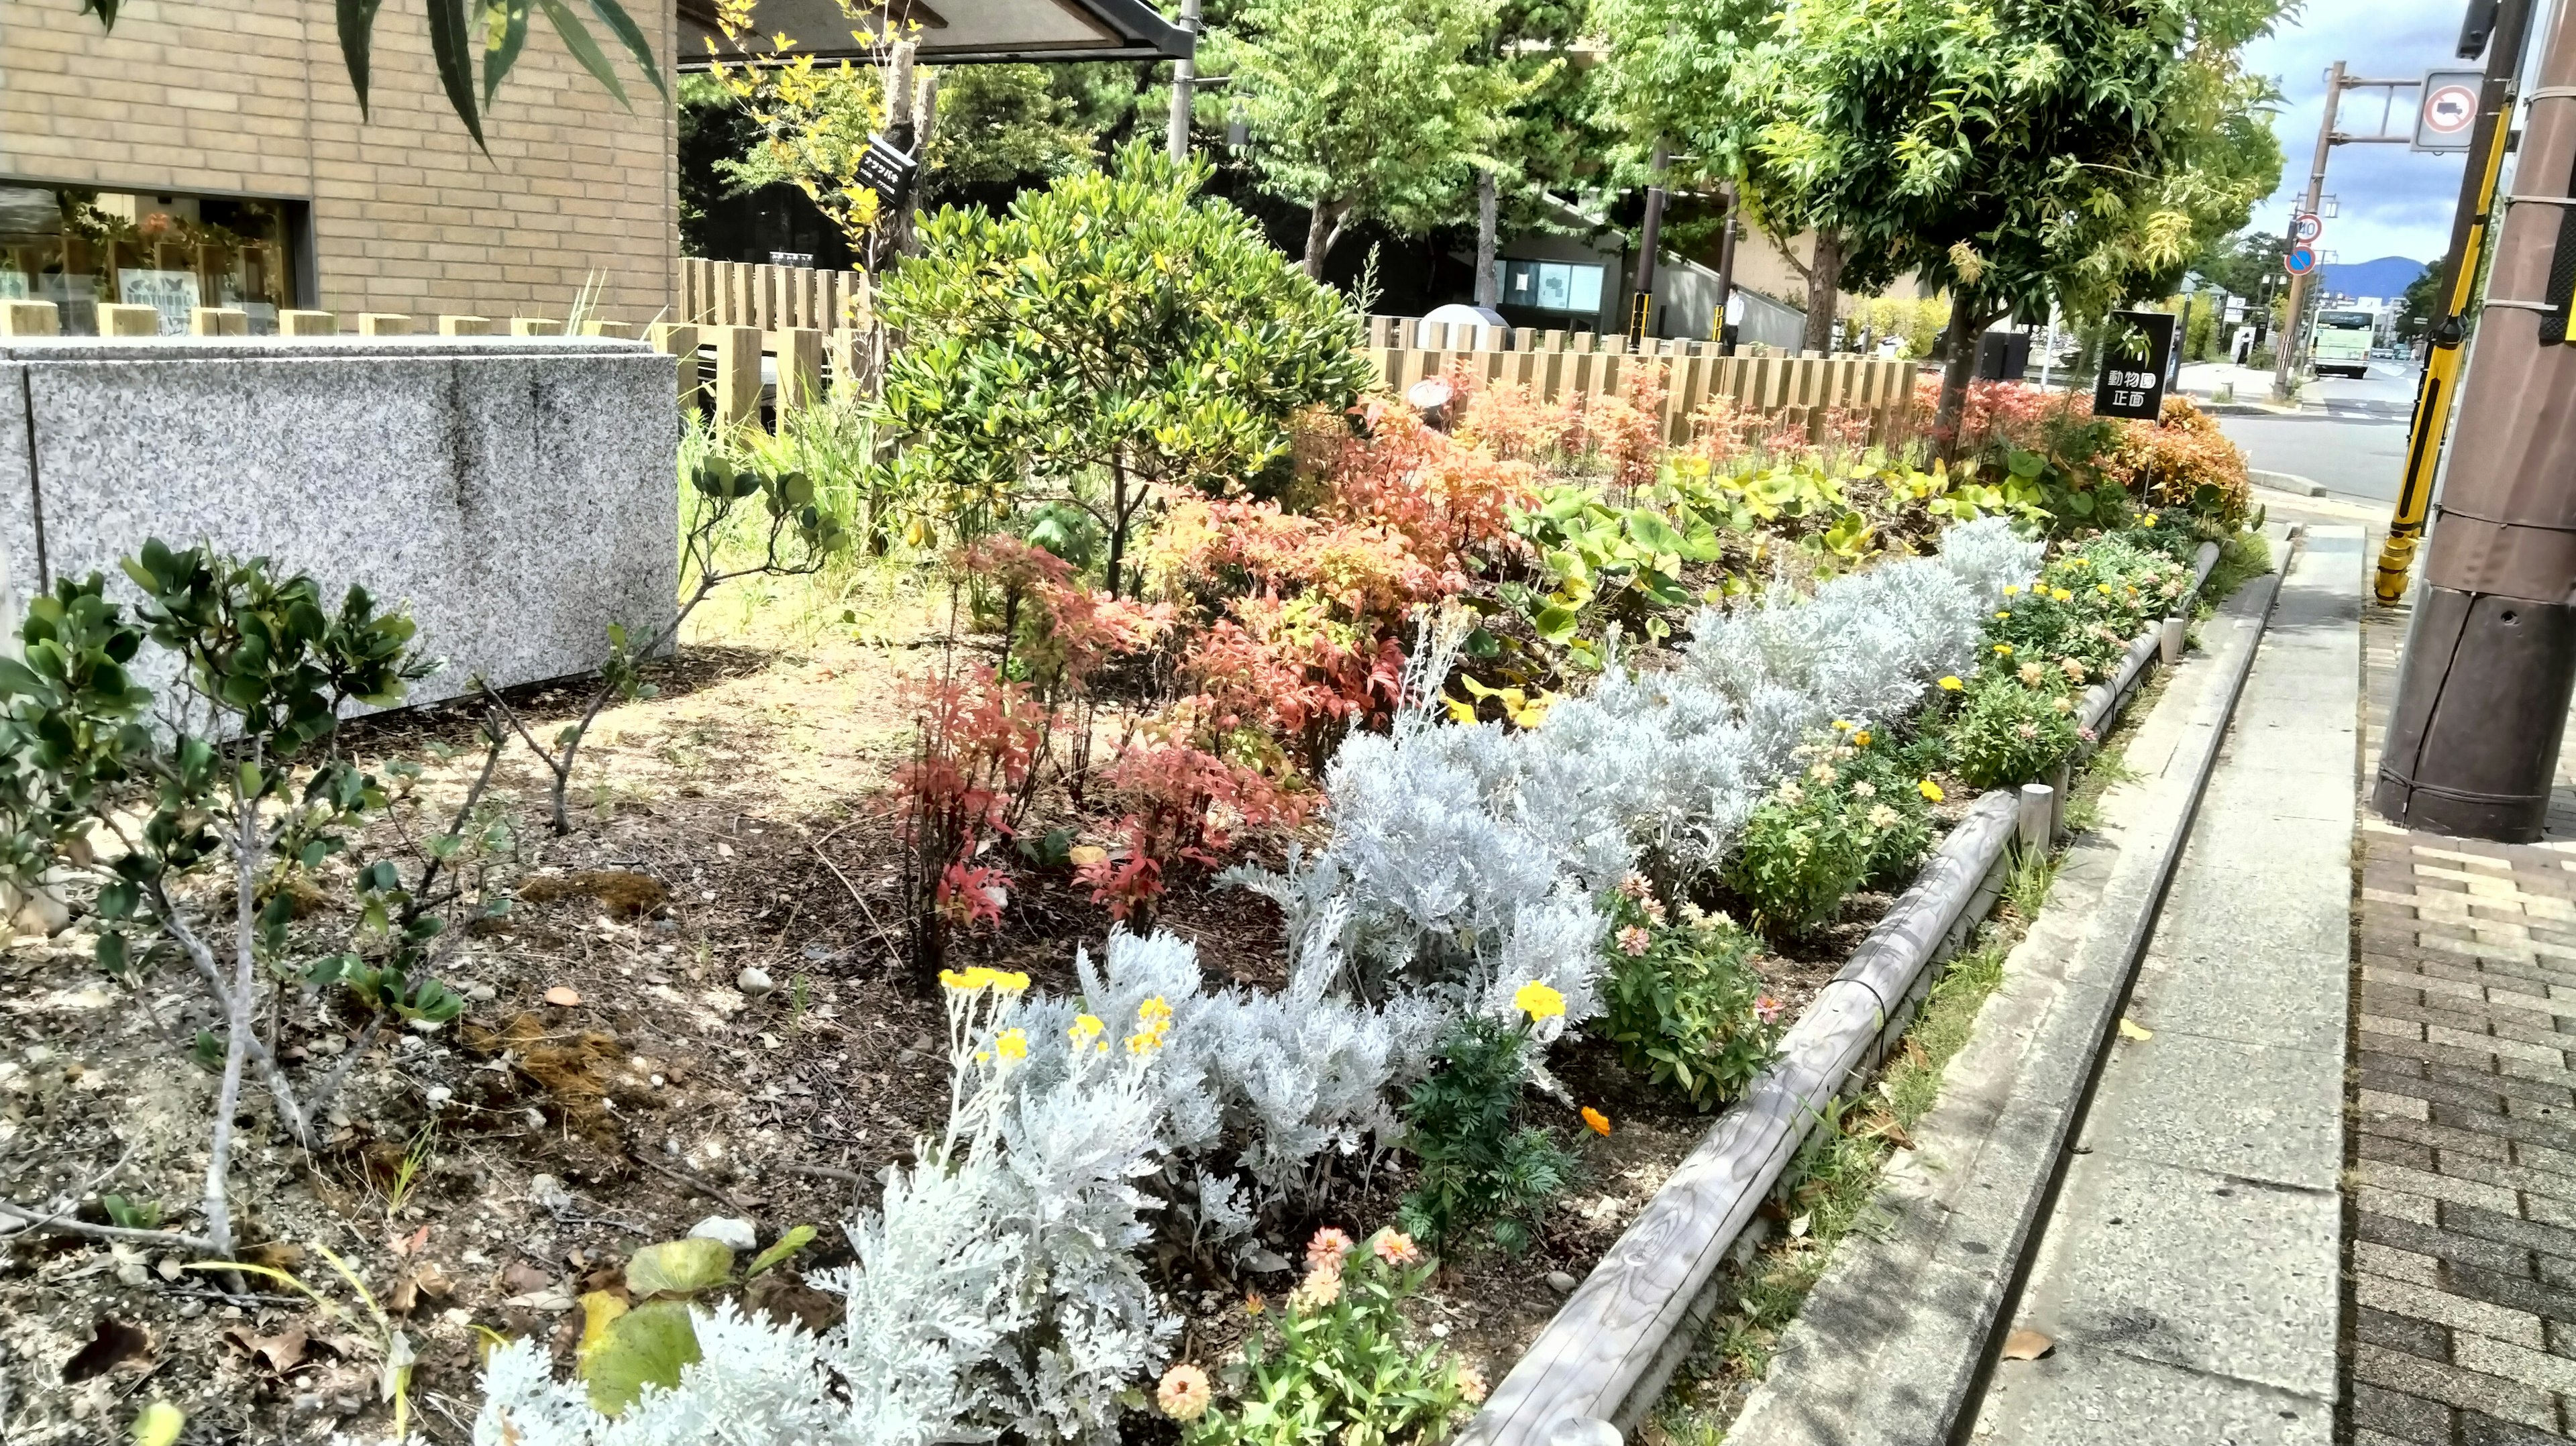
(2394, 201)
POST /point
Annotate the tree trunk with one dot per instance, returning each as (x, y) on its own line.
(1962, 334)
(1489, 286)
(1118, 517)
(1824, 289)
(925, 121)
(1319, 237)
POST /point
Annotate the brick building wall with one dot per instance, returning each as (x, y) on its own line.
(250, 97)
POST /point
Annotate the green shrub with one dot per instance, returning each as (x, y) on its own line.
(1686, 1008)
(2011, 732)
(1340, 1369)
(1803, 849)
(1478, 1163)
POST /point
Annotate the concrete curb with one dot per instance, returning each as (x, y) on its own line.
(1891, 1346)
(2285, 482)
(1603, 1361)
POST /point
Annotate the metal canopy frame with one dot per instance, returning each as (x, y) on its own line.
(1129, 30)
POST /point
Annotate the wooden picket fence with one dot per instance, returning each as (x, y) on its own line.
(737, 293)
(1808, 392)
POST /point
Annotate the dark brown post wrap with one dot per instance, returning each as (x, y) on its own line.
(2482, 696)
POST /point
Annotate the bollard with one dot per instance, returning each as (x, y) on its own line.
(218, 321)
(2057, 778)
(29, 318)
(621, 330)
(2169, 642)
(2034, 817)
(384, 323)
(115, 320)
(535, 326)
(464, 326)
(307, 323)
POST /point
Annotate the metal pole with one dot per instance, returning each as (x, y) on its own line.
(1649, 236)
(2491, 656)
(1725, 265)
(2286, 355)
(2438, 387)
(1184, 77)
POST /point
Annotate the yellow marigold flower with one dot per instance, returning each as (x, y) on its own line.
(1012, 1044)
(1929, 790)
(1841, 726)
(2003, 614)
(2103, 588)
(2003, 650)
(2079, 562)
(2012, 589)
(1538, 1001)
(2064, 596)
(2150, 519)
(1861, 738)
(1951, 684)
(1599, 1122)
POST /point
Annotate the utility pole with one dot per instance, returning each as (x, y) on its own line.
(1185, 73)
(2438, 388)
(2491, 656)
(1649, 237)
(2285, 358)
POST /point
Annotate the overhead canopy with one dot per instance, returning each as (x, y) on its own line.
(951, 32)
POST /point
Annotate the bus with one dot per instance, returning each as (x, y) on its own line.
(2340, 345)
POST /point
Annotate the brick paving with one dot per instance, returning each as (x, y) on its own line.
(2463, 1228)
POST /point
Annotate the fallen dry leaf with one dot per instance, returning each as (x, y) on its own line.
(523, 1278)
(2131, 1029)
(410, 1244)
(1083, 856)
(424, 1279)
(563, 994)
(283, 1351)
(2027, 1345)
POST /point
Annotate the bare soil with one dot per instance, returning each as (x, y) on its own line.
(480, 1177)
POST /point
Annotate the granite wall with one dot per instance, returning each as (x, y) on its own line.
(517, 494)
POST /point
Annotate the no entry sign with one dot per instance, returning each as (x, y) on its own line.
(2450, 110)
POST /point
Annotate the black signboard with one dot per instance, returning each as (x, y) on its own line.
(2137, 356)
(886, 170)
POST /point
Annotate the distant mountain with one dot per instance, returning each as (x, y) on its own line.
(2383, 278)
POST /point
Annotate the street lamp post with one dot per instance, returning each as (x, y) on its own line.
(2285, 359)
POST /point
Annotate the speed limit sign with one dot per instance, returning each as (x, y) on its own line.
(2305, 227)
(2450, 110)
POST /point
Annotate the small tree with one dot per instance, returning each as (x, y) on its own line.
(794, 536)
(1367, 110)
(201, 828)
(1113, 324)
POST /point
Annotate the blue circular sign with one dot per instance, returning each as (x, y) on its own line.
(2300, 261)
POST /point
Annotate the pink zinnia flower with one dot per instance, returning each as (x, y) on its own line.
(1397, 1249)
(1634, 940)
(1326, 1249)
(1184, 1393)
(1766, 1009)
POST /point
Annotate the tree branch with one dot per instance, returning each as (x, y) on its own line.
(35, 1224)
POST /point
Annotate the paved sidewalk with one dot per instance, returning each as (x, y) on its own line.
(2187, 1277)
(2463, 1247)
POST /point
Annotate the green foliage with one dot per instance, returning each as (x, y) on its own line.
(131, 1214)
(1685, 1007)
(1113, 323)
(1363, 110)
(1854, 815)
(646, 1346)
(1338, 1368)
(1477, 1163)
(678, 1267)
(2011, 732)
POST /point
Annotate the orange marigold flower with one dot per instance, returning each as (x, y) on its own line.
(1599, 1122)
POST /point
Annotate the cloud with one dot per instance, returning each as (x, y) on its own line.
(2394, 201)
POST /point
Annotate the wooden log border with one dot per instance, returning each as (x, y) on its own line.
(1600, 1364)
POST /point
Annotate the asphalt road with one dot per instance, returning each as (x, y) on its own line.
(2355, 445)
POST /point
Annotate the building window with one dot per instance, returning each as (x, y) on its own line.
(77, 248)
(1553, 286)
